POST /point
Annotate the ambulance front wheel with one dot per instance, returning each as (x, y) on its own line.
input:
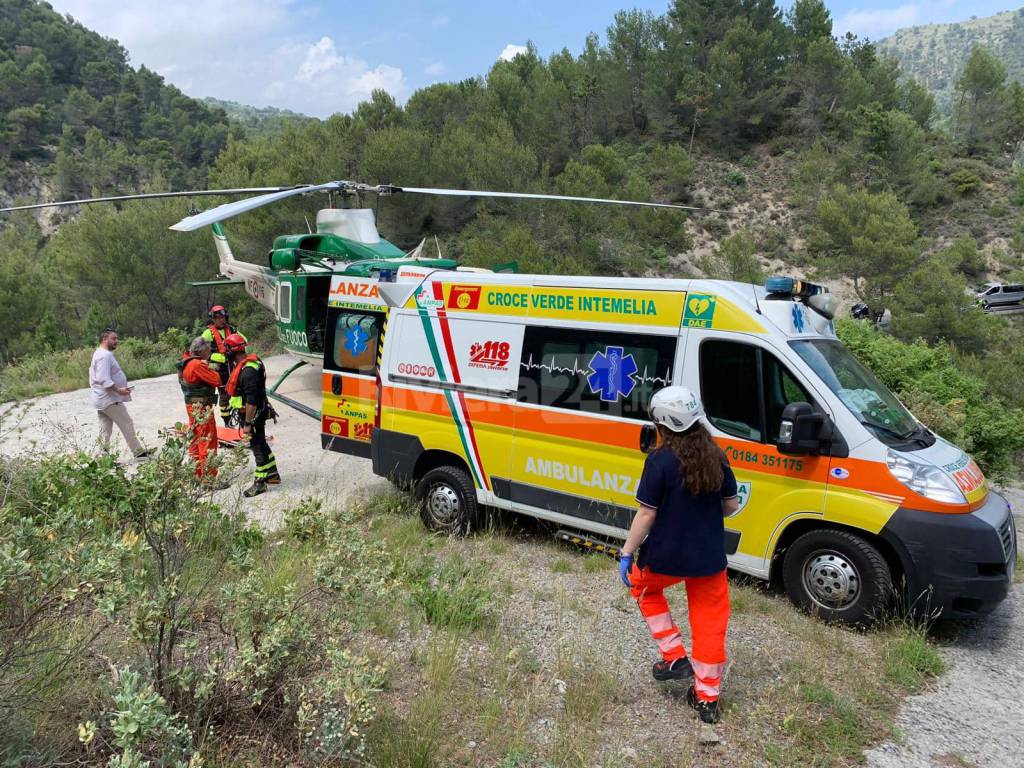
(838, 576)
(447, 500)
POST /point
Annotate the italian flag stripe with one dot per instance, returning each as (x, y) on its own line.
(457, 413)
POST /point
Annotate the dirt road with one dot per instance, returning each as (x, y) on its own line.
(973, 717)
(67, 421)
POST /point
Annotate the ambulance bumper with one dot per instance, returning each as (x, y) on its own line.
(394, 455)
(959, 566)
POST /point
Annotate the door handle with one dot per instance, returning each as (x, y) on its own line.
(336, 384)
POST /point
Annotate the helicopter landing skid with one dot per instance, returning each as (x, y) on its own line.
(285, 400)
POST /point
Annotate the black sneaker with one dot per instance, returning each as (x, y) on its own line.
(708, 710)
(144, 454)
(255, 489)
(679, 669)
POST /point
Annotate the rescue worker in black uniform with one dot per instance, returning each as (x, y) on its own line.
(247, 388)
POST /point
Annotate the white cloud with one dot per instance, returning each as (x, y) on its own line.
(511, 51)
(330, 80)
(321, 57)
(256, 52)
(879, 23)
(440, 22)
(434, 69)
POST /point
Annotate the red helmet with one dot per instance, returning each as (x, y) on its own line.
(215, 310)
(235, 342)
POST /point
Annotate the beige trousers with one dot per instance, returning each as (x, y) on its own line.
(118, 414)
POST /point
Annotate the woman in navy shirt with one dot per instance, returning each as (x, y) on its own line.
(678, 534)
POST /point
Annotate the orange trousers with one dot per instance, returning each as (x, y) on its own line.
(203, 427)
(707, 599)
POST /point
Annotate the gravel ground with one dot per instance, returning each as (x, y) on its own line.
(973, 717)
(67, 420)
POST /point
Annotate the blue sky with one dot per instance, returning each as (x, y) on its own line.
(324, 57)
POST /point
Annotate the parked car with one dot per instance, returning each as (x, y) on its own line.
(998, 294)
(861, 311)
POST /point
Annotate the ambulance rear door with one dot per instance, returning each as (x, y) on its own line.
(744, 384)
(354, 332)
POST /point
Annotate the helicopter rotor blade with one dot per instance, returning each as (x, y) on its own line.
(389, 189)
(226, 211)
(146, 196)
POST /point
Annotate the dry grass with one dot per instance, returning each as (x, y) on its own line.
(560, 677)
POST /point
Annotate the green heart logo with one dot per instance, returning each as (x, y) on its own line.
(699, 306)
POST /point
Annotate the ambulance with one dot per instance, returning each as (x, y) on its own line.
(529, 393)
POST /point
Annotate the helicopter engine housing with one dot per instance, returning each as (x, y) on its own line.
(356, 224)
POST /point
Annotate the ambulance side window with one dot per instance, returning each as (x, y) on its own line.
(745, 389)
(354, 340)
(780, 389)
(594, 372)
(729, 385)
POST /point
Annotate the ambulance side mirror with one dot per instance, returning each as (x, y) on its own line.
(648, 438)
(803, 430)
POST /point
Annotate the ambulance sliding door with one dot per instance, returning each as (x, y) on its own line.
(582, 402)
(744, 385)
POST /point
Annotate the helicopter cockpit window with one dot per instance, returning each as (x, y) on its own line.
(356, 337)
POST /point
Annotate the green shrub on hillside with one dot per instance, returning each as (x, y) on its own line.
(958, 404)
(932, 303)
(735, 260)
(965, 182)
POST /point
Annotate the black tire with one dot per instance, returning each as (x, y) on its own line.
(838, 576)
(447, 501)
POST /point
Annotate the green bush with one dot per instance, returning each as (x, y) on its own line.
(736, 179)
(735, 260)
(958, 404)
(198, 617)
(671, 169)
(965, 182)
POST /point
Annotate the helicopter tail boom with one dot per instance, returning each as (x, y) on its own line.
(220, 241)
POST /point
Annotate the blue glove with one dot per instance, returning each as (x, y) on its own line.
(625, 566)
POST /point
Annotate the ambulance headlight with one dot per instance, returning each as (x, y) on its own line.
(925, 479)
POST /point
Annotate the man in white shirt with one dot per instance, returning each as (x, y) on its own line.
(110, 391)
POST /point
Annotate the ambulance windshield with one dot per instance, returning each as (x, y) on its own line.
(867, 398)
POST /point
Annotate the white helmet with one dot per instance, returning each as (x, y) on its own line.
(676, 407)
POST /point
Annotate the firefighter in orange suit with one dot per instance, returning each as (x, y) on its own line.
(678, 535)
(199, 384)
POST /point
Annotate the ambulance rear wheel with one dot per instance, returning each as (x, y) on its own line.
(838, 576)
(447, 500)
